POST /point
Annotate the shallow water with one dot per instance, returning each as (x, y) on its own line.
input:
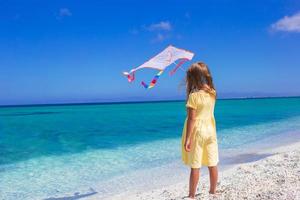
(52, 151)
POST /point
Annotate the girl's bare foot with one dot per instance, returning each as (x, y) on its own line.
(212, 192)
(189, 198)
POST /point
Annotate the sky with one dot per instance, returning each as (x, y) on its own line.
(75, 51)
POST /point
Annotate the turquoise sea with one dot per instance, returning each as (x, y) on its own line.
(54, 152)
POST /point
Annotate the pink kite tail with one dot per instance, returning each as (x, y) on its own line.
(130, 77)
(183, 60)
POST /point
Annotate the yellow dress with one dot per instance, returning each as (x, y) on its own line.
(204, 148)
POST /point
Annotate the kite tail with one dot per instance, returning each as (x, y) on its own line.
(183, 60)
(153, 82)
(130, 77)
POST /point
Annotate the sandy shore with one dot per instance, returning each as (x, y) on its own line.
(274, 177)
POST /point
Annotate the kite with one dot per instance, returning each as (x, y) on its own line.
(160, 62)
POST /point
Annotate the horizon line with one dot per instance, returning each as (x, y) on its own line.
(133, 102)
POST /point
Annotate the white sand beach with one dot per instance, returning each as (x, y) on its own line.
(274, 177)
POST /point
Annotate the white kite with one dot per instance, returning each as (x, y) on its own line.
(161, 61)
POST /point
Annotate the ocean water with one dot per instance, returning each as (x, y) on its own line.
(55, 152)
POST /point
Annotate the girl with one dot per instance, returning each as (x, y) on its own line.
(199, 139)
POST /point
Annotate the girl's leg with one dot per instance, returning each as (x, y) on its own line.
(213, 176)
(194, 178)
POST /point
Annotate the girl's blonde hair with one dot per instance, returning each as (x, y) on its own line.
(197, 76)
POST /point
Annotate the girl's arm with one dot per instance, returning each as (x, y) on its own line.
(189, 129)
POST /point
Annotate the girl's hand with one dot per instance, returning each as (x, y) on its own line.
(188, 145)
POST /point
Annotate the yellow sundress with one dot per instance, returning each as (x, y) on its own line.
(204, 148)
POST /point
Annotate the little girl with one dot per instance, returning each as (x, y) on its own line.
(199, 139)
